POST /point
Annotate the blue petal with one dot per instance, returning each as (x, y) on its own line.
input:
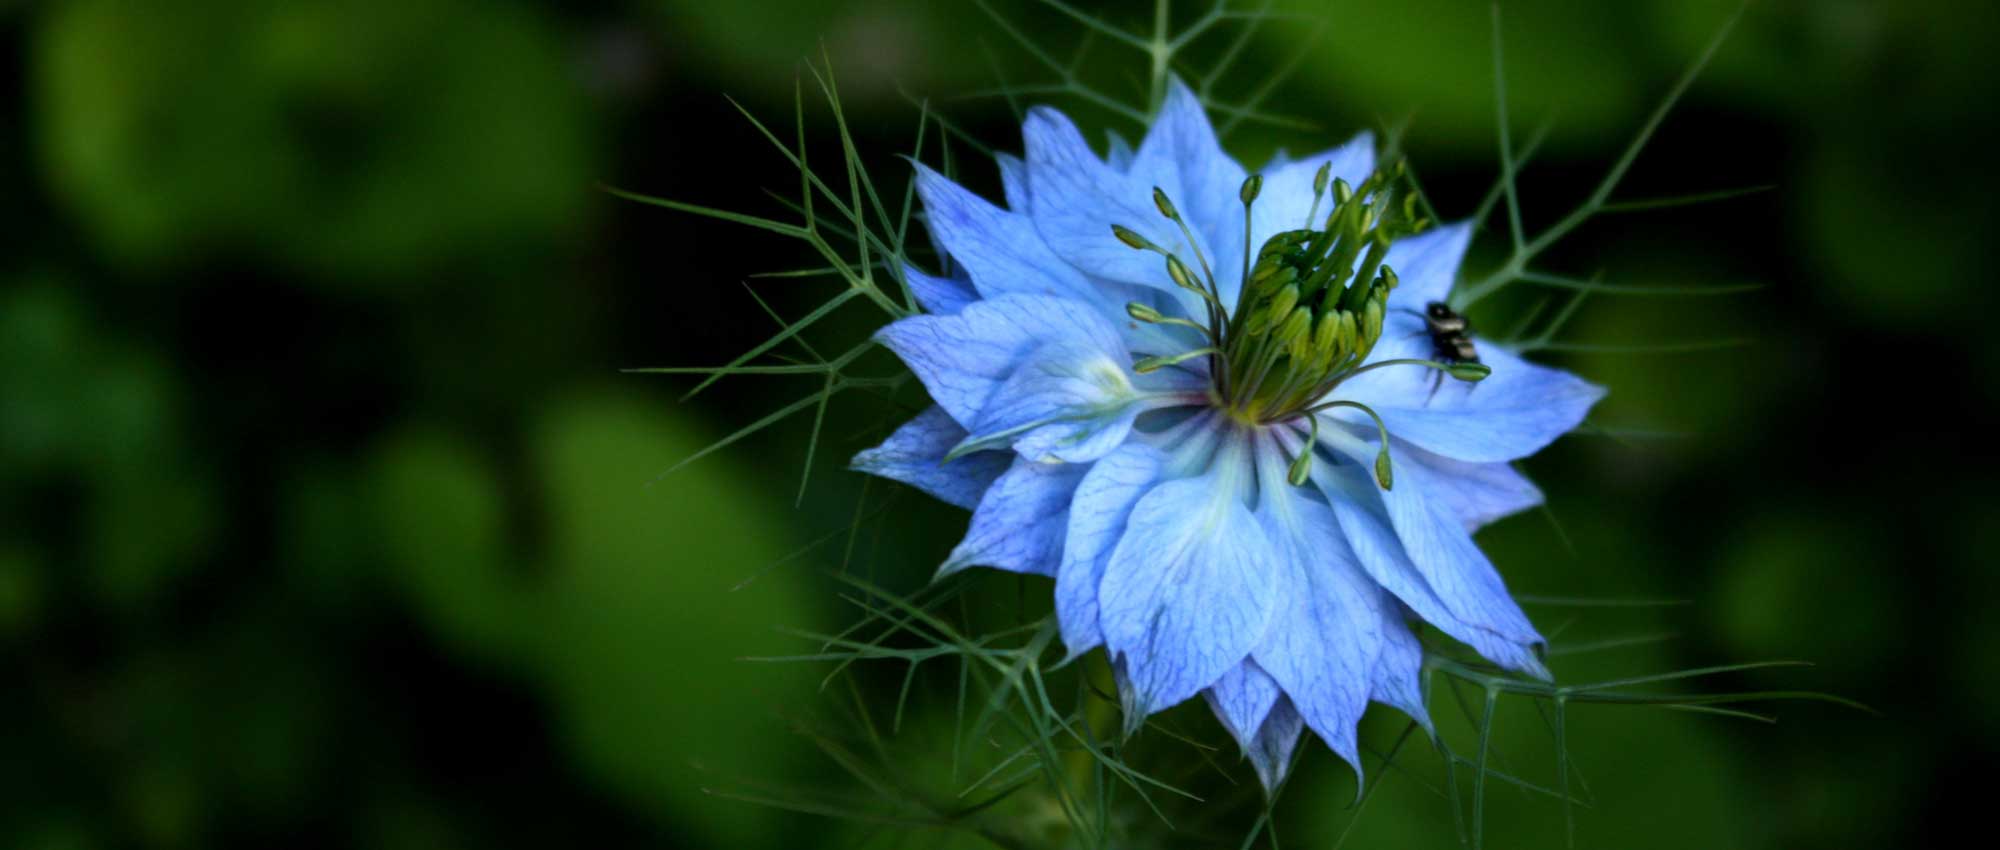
(1271, 752)
(1241, 699)
(1188, 591)
(1075, 199)
(1326, 635)
(963, 358)
(941, 296)
(1512, 413)
(1013, 181)
(1068, 402)
(1097, 517)
(1117, 152)
(1019, 524)
(1477, 493)
(1398, 680)
(1182, 156)
(1416, 549)
(914, 455)
(1000, 249)
(1427, 264)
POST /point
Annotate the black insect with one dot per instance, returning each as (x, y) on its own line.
(1451, 339)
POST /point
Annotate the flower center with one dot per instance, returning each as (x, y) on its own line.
(1310, 309)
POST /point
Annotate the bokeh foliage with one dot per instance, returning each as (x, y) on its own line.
(328, 515)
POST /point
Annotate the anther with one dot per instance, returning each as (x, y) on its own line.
(1166, 206)
(1132, 239)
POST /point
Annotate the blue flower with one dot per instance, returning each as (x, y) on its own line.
(1222, 423)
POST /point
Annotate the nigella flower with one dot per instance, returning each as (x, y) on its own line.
(1209, 404)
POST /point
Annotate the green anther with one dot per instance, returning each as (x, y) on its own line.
(1348, 334)
(1144, 313)
(1382, 472)
(1301, 470)
(1320, 177)
(1131, 239)
(1469, 371)
(1342, 193)
(1253, 185)
(1166, 206)
(1283, 302)
(1326, 333)
(1389, 277)
(1183, 277)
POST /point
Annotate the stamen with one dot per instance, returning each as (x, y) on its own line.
(1161, 361)
(1463, 370)
(1301, 470)
(1252, 187)
(1383, 475)
(1174, 215)
(1143, 313)
(1319, 189)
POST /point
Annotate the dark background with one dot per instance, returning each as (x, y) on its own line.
(329, 516)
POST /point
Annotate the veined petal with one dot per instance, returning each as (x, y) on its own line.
(1326, 633)
(1188, 591)
(939, 296)
(1069, 402)
(1097, 516)
(1019, 523)
(1512, 413)
(1241, 699)
(1075, 199)
(914, 455)
(1398, 680)
(1013, 181)
(1477, 493)
(1271, 752)
(1000, 249)
(963, 358)
(1182, 156)
(1427, 264)
(1416, 549)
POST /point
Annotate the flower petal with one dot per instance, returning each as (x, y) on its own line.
(1398, 680)
(1477, 493)
(1183, 157)
(1512, 413)
(1415, 548)
(1001, 250)
(1075, 199)
(1013, 181)
(963, 358)
(1427, 264)
(1097, 516)
(1069, 401)
(1326, 634)
(939, 296)
(1277, 739)
(914, 455)
(1188, 591)
(1019, 524)
(1241, 699)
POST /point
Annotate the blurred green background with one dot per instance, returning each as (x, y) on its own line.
(328, 517)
